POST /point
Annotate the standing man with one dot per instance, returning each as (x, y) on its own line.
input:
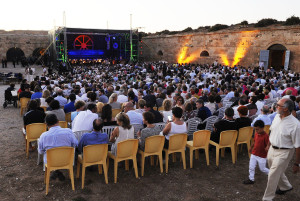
(284, 137)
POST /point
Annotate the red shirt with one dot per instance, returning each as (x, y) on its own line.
(260, 143)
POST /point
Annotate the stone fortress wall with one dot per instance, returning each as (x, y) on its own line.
(231, 47)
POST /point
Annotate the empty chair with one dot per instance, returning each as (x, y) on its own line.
(244, 137)
(227, 139)
(153, 146)
(57, 159)
(200, 141)
(115, 112)
(210, 122)
(267, 129)
(177, 143)
(93, 155)
(126, 150)
(33, 132)
(23, 103)
(108, 130)
(63, 124)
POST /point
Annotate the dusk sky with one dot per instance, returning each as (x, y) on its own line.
(155, 15)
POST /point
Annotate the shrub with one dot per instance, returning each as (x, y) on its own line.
(218, 27)
(292, 20)
(245, 22)
(265, 22)
(189, 29)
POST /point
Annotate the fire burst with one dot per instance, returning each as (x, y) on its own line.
(182, 58)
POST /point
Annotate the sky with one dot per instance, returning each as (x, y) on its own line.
(147, 16)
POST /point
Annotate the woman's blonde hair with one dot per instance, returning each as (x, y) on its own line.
(167, 104)
(99, 107)
(46, 94)
(112, 97)
(124, 119)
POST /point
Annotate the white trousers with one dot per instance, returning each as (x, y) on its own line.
(278, 161)
(254, 160)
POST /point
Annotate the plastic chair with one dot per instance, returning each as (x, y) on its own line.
(93, 155)
(137, 127)
(210, 122)
(108, 130)
(57, 159)
(244, 137)
(78, 134)
(126, 150)
(192, 125)
(68, 117)
(161, 125)
(221, 112)
(267, 129)
(177, 143)
(153, 146)
(63, 124)
(227, 139)
(33, 132)
(200, 141)
(115, 112)
(23, 102)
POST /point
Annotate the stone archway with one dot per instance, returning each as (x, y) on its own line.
(14, 54)
(277, 56)
(204, 54)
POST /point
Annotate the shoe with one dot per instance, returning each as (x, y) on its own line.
(61, 177)
(248, 181)
(280, 192)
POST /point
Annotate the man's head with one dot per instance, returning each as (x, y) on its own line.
(72, 97)
(27, 87)
(97, 125)
(199, 103)
(265, 109)
(128, 107)
(285, 106)
(92, 107)
(51, 120)
(59, 92)
(259, 126)
(148, 106)
(229, 113)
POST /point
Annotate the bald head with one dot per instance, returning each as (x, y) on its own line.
(128, 106)
(265, 109)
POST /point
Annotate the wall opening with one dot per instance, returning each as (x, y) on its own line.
(204, 54)
(14, 54)
(160, 53)
(277, 56)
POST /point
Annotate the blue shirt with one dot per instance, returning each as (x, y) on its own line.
(70, 107)
(264, 118)
(272, 116)
(62, 101)
(92, 138)
(36, 95)
(56, 137)
(103, 99)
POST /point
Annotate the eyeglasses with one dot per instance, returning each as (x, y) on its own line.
(277, 105)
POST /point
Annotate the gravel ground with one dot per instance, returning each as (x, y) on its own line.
(22, 179)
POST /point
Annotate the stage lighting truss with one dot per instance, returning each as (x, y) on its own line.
(83, 42)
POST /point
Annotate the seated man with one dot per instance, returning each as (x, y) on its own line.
(263, 116)
(26, 93)
(224, 124)
(149, 108)
(62, 101)
(70, 107)
(134, 117)
(95, 137)
(84, 120)
(55, 137)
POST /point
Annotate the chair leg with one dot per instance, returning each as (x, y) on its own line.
(217, 155)
(167, 161)
(45, 175)
(105, 172)
(191, 157)
(78, 169)
(183, 159)
(248, 148)
(72, 177)
(135, 168)
(27, 148)
(47, 180)
(127, 165)
(115, 170)
(223, 152)
(233, 154)
(160, 162)
(100, 168)
(152, 160)
(197, 154)
(207, 155)
(82, 176)
(142, 164)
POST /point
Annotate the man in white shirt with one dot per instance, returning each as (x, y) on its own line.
(121, 97)
(263, 116)
(134, 117)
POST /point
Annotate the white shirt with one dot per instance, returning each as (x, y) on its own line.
(122, 98)
(259, 105)
(285, 133)
(134, 117)
(84, 121)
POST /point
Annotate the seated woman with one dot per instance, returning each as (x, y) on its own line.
(55, 109)
(150, 130)
(243, 120)
(45, 95)
(106, 116)
(167, 104)
(122, 132)
(176, 126)
(112, 101)
(189, 112)
(180, 102)
(79, 106)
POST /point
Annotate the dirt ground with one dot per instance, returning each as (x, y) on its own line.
(22, 179)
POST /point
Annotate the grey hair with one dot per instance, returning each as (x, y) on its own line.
(289, 104)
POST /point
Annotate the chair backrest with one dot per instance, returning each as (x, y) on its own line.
(192, 125)
(245, 134)
(201, 138)
(127, 148)
(228, 104)
(68, 117)
(24, 102)
(161, 125)
(34, 131)
(177, 141)
(267, 129)
(94, 153)
(154, 143)
(210, 122)
(108, 130)
(221, 112)
(228, 138)
(115, 112)
(137, 127)
(161, 108)
(63, 124)
(78, 134)
(60, 156)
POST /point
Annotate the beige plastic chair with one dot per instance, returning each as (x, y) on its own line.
(33, 132)
(63, 124)
(126, 150)
(267, 129)
(57, 159)
(153, 147)
(244, 137)
(93, 155)
(68, 117)
(200, 141)
(177, 143)
(23, 102)
(227, 139)
(115, 112)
